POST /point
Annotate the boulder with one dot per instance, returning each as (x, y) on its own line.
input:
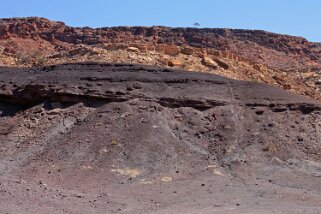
(221, 63)
(171, 50)
(187, 51)
(209, 62)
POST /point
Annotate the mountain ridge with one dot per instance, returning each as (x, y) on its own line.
(292, 63)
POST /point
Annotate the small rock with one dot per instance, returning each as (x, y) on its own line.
(175, 62)
(137, 86)
(259, 112)
(54, 111)
(287, 86)
(133, 49)
(143, 120)
(79, 196)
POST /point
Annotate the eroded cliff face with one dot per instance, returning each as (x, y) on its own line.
(291, 63)
(100, 133)
(293, 53)
(212, 117)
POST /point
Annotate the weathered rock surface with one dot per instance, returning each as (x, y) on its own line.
(292, 52)
(86, 138)
(175, 63)
(209, 62)
(241, 54)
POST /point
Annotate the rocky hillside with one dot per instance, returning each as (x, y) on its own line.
(116, 120)
(291, 63)
(86, 138)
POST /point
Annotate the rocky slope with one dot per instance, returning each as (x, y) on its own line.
(291, 63)
(123, 138)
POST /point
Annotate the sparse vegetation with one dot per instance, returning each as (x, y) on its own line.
(196, 24)
(36, 58)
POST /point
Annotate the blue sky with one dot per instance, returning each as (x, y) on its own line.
(294, 17)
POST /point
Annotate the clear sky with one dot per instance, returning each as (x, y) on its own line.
(294, 17)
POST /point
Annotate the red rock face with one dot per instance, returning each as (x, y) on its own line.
(275, 50)
(289, 62)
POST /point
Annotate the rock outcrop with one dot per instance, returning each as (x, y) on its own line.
(293, 53)
(240, 54)
(95, 133)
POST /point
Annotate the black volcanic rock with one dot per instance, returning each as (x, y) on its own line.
(103, 133)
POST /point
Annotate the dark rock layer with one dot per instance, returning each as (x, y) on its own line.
(97, 132)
